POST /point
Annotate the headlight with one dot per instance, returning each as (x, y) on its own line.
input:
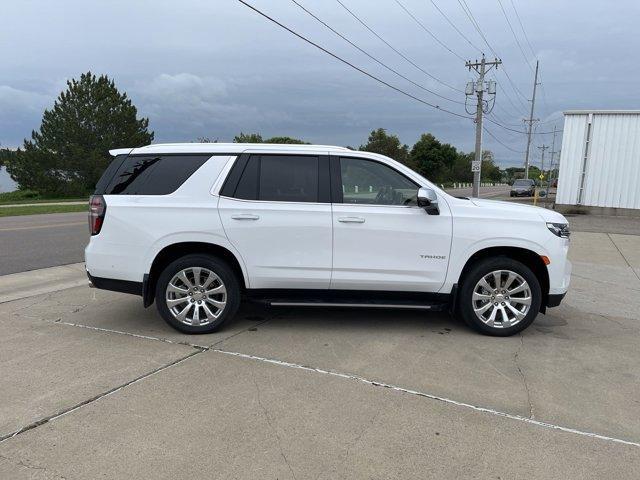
(559, 229)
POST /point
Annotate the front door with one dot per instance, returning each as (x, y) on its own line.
(381, 239)
(278, 216)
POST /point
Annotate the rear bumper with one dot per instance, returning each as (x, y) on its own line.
(115, 285)
(520, 193)
(555, 299)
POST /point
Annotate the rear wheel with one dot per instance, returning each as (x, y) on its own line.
(197, 294)
(499, 296)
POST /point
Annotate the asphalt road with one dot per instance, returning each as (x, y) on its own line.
(30, 242)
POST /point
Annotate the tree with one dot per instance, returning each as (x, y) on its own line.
(433, 159)
(381, 142)
(288, 140)
(257, 138)
(461, 171)
(490, 172)
(71, 150)
(248, 138)
(6, 156)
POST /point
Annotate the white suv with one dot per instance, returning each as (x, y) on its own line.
(198, 227)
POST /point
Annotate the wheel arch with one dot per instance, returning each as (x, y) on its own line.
(528, 257)
(176, 250)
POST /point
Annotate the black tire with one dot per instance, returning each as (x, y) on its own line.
(483, 268)
(216, 265)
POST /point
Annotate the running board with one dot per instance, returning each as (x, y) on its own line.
(351, 299)
(433, 307)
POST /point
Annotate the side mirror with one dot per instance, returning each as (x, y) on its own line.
(428, 200)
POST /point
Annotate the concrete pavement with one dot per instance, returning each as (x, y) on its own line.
(108, 389)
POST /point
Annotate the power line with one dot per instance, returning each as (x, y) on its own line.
(526, 37)
(364, 72)
(374, 58)
(500, 142)
(493, 113)
(516, 108)
(396, 50)
(522, 28)
(473, 45)
(514, 130)
(476, 25)
(454, 26)
(514, 35)
(428, 31)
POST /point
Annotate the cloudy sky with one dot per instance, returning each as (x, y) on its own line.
(213, 68)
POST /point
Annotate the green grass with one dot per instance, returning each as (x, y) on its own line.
(30, 196)
(37, 209)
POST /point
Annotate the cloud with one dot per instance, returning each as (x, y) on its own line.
(20, 109)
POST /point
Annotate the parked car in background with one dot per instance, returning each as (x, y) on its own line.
(199, 227)
(524, 187)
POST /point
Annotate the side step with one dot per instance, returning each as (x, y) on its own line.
(433, 307)
(351, 299)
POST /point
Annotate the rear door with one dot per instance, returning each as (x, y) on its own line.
(382, 240)
(276, 211)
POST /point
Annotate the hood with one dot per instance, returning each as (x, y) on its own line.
(519, 210)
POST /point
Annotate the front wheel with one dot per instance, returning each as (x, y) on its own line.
(499, 296)
(197, 293)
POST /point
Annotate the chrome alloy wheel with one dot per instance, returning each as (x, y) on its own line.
(501, 299)
(196, 296)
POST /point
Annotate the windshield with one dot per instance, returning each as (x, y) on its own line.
(522, 183)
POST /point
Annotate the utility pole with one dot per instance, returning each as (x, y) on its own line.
(530, 121)
(543, 148)
(479, 88)
(553, 152)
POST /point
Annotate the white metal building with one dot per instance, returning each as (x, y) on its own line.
(600, 159)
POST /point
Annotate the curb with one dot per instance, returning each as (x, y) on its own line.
(45, 280)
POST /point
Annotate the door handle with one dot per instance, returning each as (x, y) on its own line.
(351, 219)
(245, 216)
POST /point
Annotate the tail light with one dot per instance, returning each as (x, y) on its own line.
(97, 209)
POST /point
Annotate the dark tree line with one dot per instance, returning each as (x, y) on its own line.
(437, 161)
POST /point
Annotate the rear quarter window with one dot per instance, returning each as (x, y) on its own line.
(148, 174)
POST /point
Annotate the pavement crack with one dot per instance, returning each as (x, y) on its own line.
(516, 356)
(356, 440)
(622, 255)
(95, 398)
(272, 427)
(31, 466)
(129, 334)
(430, 396)
(262, 322)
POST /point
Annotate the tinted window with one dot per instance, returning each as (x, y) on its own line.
(108, 174)
(153, 175)
(288, 178)
(248, 185)
(280, 178)
(370, 182)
